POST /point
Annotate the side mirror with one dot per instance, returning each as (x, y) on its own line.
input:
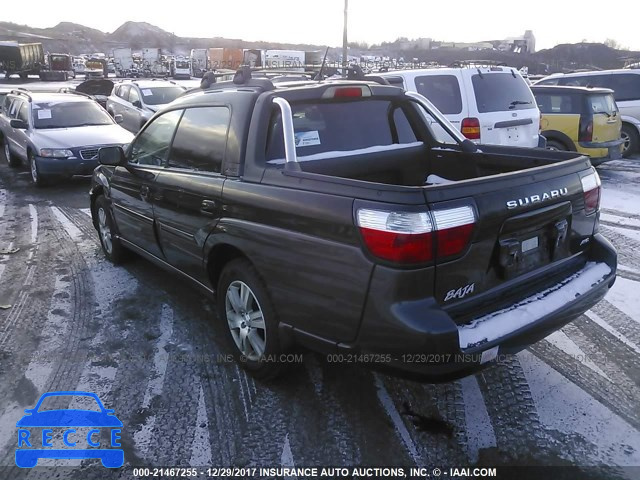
(21, 124)
(137, 104)
(118, 118)
(113, 156)
(468, 146)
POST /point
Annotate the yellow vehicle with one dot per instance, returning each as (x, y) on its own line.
(581, 119)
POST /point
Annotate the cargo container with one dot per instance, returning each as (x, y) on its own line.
(22, 59)
(231, 58)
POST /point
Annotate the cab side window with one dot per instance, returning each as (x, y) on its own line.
(133, 95)
(201, 139)
(23, 113)
(151, 147)
(15, 108)
(123, 92)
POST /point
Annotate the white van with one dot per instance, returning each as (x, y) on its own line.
(489, 104)
(625, 84)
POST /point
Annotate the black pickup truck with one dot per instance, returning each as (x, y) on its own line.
(352, 218)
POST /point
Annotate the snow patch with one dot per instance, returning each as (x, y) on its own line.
(348, 153)
(503, 322)
(73, 231)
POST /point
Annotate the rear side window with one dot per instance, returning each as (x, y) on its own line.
(341, 126)
(501, 92)
(201, 139)
(626, 86)
(442, 90)
(587, 81)
(558, 103)
(602, 104)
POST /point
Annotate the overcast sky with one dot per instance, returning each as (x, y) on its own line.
(320, 21)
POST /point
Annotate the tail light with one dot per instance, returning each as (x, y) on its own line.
(347, 92)
(402, 237)
(585, 132)
(454, 227)
(470, 128)
(591, 190)
(413, 237)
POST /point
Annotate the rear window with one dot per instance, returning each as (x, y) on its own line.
(501, 92)
(558, 103)
(442, 90)
(343, 126)
(603, 103)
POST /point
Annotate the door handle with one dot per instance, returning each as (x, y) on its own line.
(208, 206)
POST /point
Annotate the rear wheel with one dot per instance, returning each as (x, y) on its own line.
(247, 315)
(11, 160)
(556, 145)
(631, 140)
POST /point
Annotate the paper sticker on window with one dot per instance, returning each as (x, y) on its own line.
(146, 92)
(306, 139)
(44, 114)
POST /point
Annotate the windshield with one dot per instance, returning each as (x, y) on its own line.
(182, 64)
(69, 114)
(160, 95)
(502, 92)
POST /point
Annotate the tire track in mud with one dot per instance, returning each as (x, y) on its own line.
(511, 408)
(627, 247)
(618, 320)
(434, 415)
(53, 292)
(620, 399)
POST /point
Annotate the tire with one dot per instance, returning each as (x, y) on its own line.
(631, 140)
(38, 179)
(111, 245)
(556, 145)
(11, 160)
(250, 321)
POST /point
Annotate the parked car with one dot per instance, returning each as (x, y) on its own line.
(580, 119)
(625, 84)
(137, 101)
(352, 218)
(56, 134)
(488, 104)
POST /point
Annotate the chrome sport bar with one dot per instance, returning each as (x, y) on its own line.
(287, 130)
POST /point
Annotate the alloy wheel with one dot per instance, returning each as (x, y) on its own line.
(245, 320)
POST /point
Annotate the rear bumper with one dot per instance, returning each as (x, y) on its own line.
(603, 151)
(420, 340)
(65, 166)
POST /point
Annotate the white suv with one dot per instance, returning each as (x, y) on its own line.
(626, 90)
(489, 104)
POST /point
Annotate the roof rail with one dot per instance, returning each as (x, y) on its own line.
(22, 91)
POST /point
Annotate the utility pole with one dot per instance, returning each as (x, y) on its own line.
(345, 62)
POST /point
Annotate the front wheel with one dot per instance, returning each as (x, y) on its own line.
(37, 178)
(111, 245)
(631, 140)
(247, 315)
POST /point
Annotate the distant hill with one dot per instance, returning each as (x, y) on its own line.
(74, 38)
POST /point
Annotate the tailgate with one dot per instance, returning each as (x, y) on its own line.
(524, 223)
